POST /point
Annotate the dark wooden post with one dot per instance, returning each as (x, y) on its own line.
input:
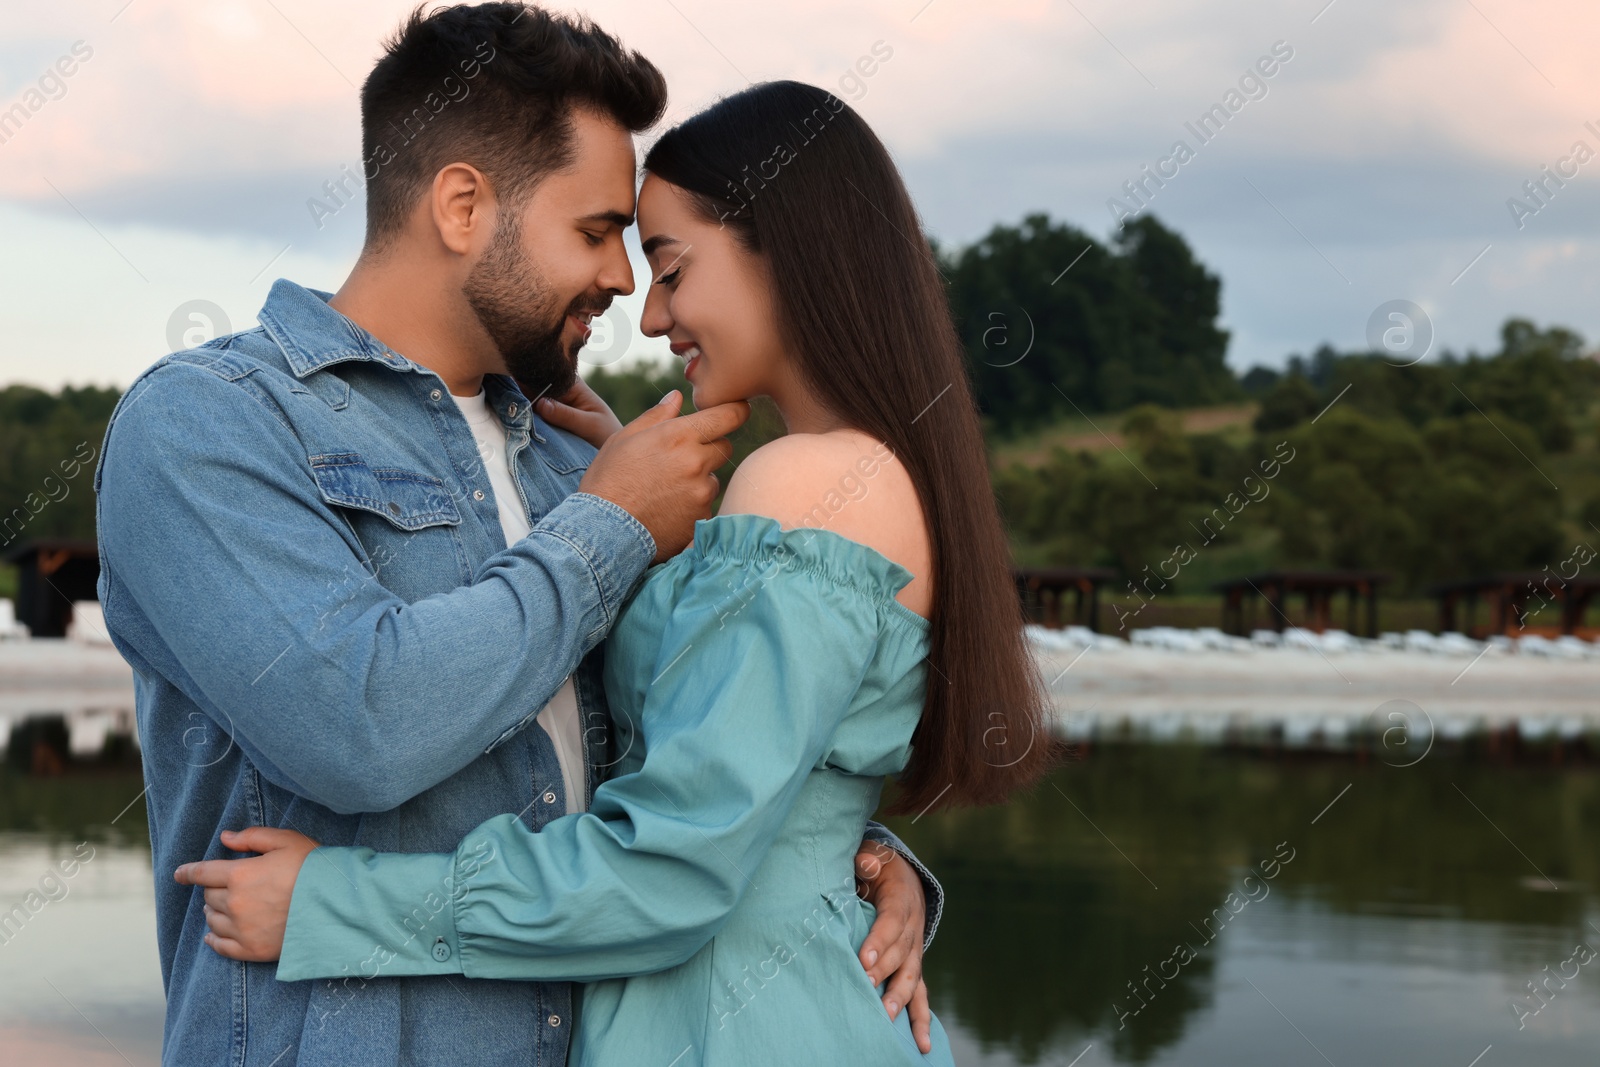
(1574, 605)
(1233, 610)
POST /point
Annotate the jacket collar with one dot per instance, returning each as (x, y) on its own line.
(507, 401)
(312, 336)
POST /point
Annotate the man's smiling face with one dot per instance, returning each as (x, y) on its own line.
(557, 260)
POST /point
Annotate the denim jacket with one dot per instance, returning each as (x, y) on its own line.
(302, 561)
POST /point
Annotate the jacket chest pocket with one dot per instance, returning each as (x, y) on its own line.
(406, 521)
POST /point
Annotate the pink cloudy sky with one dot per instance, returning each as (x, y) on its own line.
(176, 164)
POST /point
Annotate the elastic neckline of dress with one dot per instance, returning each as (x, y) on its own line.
(867, 569)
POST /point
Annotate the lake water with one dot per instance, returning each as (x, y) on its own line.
(1377, 916)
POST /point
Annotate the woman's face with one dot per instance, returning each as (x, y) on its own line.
(711, 299)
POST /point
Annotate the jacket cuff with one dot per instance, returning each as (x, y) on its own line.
(617, 547)
(932, 891)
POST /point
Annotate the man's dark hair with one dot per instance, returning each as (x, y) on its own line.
(492, 85)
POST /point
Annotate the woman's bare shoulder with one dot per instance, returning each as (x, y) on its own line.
(847, 482)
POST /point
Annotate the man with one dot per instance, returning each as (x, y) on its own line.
(358, 602)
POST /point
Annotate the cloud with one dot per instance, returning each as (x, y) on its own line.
(243, 85)
(1391, 140)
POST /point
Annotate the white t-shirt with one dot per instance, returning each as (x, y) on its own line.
(559, 717)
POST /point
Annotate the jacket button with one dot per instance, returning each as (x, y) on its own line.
(512, 411)
(549, 798)
(394, 508)
(477, 494)
(555, 1020)
(435, 395)
(441, 951)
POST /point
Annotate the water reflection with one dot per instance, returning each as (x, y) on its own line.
(1403, 928)
(79, 977)
(1404, 918)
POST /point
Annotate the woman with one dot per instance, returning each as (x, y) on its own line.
(848, 614)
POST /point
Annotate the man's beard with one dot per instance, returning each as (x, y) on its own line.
(517, 308)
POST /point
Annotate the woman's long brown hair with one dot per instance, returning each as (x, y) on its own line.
(800, 179)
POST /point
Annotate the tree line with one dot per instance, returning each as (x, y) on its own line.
(1434, 472)
(1452, 467)
(49, 445)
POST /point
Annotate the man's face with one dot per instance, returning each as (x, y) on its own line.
(557, 259)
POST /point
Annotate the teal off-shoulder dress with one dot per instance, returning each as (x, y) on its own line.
(763, 682)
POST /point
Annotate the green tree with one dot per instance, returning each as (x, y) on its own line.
(1186, 299)
(49, 445)
(1055, 322)
(1288, 403)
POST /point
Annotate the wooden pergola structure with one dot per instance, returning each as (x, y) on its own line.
(1515, 601)
(1044, 588)
(1318, 587)
(51, 574)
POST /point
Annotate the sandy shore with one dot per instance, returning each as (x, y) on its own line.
(1312, 694)
(1113, 686)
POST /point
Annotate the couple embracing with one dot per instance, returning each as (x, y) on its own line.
(455, 699)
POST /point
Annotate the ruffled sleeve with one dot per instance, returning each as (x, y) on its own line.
(767, 637)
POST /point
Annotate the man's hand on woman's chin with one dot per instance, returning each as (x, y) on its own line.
(893, 948)
(247, 901)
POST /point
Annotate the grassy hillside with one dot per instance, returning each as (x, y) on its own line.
(1101, 433)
